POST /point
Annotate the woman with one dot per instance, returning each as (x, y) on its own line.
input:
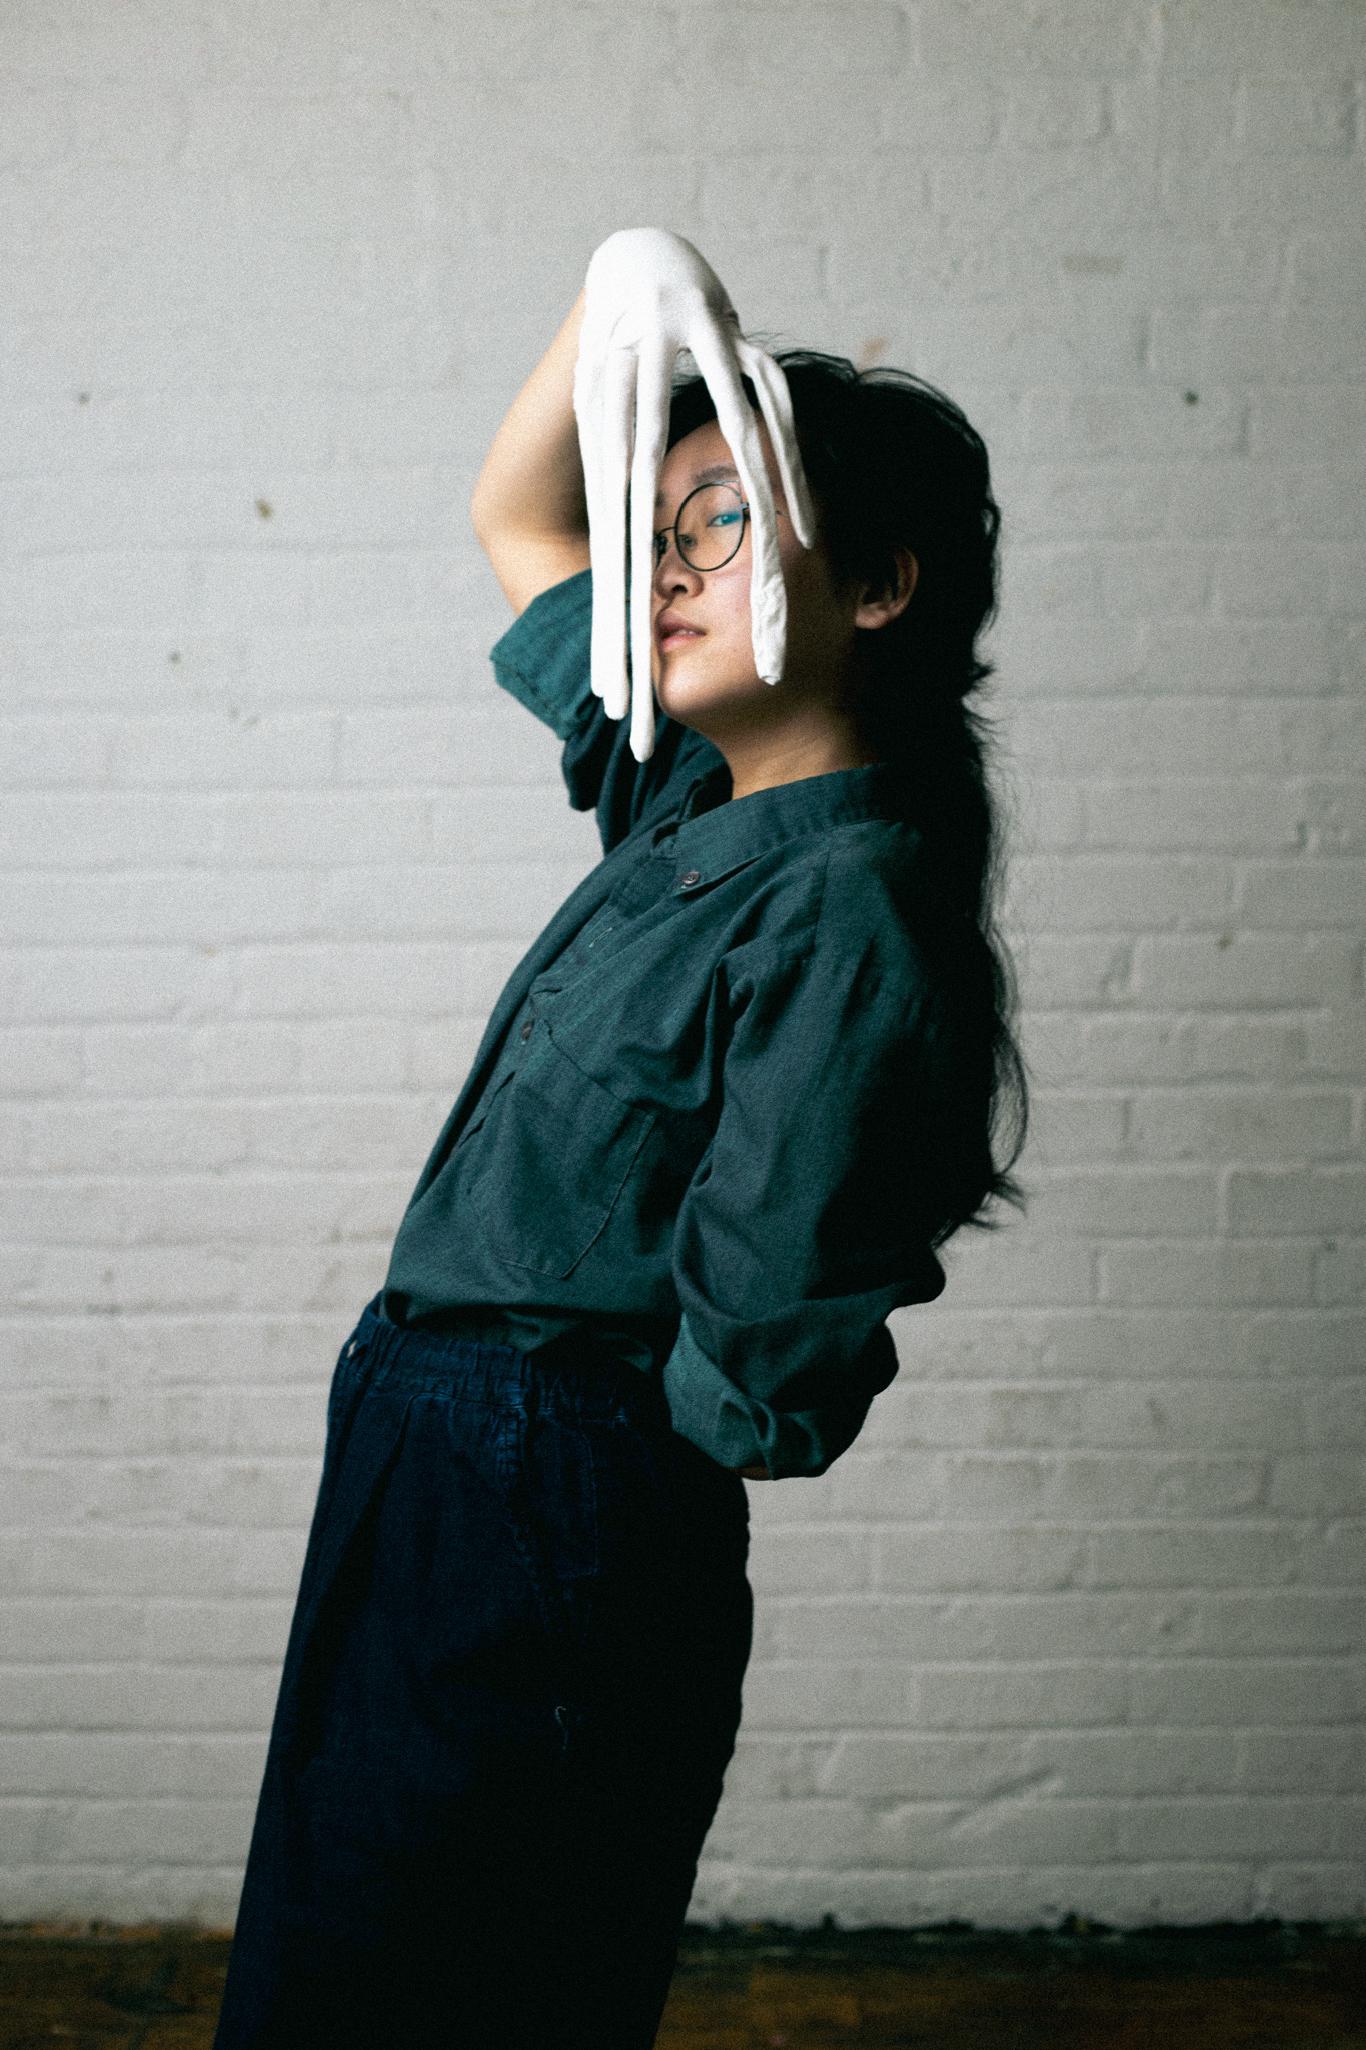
(725, 1110)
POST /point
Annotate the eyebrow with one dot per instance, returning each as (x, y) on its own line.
(712, 474)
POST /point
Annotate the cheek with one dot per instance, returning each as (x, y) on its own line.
(728, 614)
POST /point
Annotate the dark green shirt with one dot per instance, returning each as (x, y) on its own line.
(695, 1134)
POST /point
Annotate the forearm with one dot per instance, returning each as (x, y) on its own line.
(532, 479)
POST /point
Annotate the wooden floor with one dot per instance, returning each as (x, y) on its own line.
(1269, 1987)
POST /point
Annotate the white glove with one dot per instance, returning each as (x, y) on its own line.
(649, 294)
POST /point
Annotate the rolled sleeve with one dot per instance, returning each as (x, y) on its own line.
(804, 1225)
(543, 660)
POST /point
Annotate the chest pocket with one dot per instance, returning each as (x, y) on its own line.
(559, 1149)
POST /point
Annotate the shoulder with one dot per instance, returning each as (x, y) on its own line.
(837, 919)
(877, 907)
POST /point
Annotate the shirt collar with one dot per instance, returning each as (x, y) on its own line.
(714, 831)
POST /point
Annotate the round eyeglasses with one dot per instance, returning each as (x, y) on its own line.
(716, 519)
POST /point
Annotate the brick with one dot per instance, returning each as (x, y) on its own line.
(1073, 1126)
(1114, 37)
(1131, 1763)
(39, 1061)
(1335, 1414)
(67, 48)
(1182, 1554)
(1229, 968)
(1243, 736)
(1136, 422)
(115, 128)
(1317, 1484)
(1296, 114)
(125, 1137)
(1295, 1200)
(1124, 1203)
(941, 1558)
(176, 905)
(209, 1832)
(1228, 1123)
(854, 1697)
(134, 1696)
(1340, 1272)
(1229, 657)
(1250, 814)
(1308, 422)
(90, 983)
(87, 829)
(321, 828)
(1271, 1761)
(379, 748)
(1122, 893)
(1251, 1273)
(1154, 1048)
(93, 1632)
(226, 748)
(308, 134)
(1275, 36)
(316, 981)
(1256, 191)
(1317, 892)
(1266, 1623)
(1267, 1692)
(1077, 969)
(125, 668)
(1010, 1695)
(112, 590)
(160, 1060)
(1054, 113)
(40, 753)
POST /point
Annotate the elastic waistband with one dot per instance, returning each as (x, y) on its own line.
(503, 1377)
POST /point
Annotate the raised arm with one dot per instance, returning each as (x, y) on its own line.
(528, 506)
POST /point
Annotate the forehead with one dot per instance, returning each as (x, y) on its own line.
(704, 449)
(701, 457)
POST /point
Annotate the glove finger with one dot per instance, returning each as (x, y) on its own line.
(657, 357)
(608, 547)
(770, 381)
(588, 415)
(713, 352)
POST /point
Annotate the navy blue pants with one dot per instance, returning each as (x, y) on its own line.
(510, 1693)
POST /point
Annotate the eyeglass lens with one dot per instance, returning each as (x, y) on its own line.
(709, 528)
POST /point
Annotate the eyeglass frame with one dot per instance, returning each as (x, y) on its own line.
(712, 484)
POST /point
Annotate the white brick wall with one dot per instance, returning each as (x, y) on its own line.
(1076, 1626)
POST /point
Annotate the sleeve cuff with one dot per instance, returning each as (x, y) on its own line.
(543, 658)
(736, 1429)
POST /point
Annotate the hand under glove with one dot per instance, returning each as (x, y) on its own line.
(648, 295)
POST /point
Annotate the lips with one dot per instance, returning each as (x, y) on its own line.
(671, 630)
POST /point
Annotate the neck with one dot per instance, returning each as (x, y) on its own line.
(766, 766)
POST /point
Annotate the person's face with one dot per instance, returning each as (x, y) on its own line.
(711, 682)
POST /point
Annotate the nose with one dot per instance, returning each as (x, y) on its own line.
(671, 572)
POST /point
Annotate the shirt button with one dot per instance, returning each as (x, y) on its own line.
(693, 876)
(526, 1028)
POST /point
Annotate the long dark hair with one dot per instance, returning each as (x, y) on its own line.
(891, 460)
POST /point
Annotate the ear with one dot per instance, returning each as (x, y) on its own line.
(888, 600)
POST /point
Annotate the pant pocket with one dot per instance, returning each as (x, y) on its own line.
(549, 1475)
